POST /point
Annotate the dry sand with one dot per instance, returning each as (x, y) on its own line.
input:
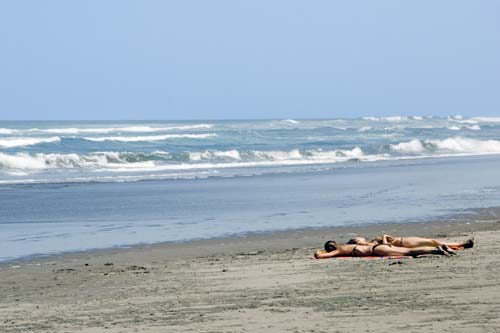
(261, 283)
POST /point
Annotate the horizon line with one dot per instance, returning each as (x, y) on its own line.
(250, 119)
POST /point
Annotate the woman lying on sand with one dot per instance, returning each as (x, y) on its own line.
(378, 250)
(412, 242)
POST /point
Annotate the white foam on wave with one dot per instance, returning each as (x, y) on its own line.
(132, 129)
(487, 119)
(25, 141)
(291, 121)
(474, 127)
(469, 127)
(456, 145)
(413, 146)
(21, 161)
(111, 178)
(40, 161)
(274, 155)
(150, 138)
(210, 155)
(396, 119)
(391, 119)
(131, 162)
(8, 131)
(461, 120)
(270, 159)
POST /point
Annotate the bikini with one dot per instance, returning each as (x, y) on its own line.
(374, 247)
(356, 253)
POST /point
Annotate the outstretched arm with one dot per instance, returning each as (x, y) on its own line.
(320, 254)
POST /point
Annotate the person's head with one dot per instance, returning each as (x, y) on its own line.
(330, 246)
(357, 240)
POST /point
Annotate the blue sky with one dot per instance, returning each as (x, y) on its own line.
(248, 59)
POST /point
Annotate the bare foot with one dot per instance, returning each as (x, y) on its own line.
(469, 244)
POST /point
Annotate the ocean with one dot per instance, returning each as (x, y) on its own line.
(71, 186)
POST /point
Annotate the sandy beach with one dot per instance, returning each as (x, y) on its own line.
(260, 283)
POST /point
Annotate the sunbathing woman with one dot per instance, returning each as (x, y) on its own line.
(379, 250)
(412, 242)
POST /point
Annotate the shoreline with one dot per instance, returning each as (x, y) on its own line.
(470, 220)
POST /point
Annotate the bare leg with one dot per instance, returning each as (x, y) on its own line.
(447, 249)
(385, 250)
(458, 246)
(440, 250)
(414, 242)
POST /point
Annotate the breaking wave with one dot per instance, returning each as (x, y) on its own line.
(290, 121)
(25, 141)
(393, 119)
(456, 145)
(8, 131)
(469, 127)
(487, 119)
(150, 138)
(132, 129)
(161, 160)
(25, 161)
(85, 151)
(104, 130)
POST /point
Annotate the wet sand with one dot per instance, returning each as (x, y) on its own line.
(261, 283)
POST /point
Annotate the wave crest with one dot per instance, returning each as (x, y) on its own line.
(457, 145)
(150, 138)
(132, 129)
(24, 141)
(39, 161)
(124, 161)
(8, 131)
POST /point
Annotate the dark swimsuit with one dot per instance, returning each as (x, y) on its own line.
(374, 247)
(356, 253)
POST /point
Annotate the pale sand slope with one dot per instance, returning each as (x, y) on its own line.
(274, 290)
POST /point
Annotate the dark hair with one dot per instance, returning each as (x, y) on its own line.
(330, 246)
(352, 241)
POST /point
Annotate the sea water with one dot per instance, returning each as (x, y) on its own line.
(68, 186)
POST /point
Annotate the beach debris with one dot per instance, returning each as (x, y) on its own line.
(138, 269)
(108, 264)
(254, 253)
(134, 268)
(63, 270)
